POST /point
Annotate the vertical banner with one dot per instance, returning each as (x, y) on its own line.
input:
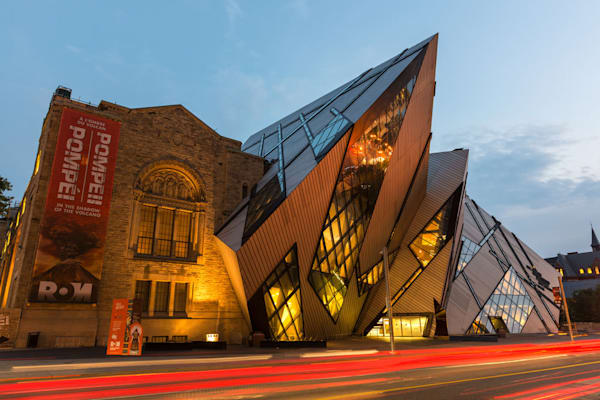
(117, 327)
(125, 333)
(68, 261)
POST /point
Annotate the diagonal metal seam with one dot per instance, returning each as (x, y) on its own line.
(333, 194)
(413, 277)
(400, 213)
(481, 243)
(492, 293)
(352, 85)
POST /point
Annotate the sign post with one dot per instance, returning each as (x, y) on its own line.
(562, 290)
(388, 301)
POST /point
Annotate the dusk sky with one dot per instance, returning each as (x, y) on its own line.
(517, 83)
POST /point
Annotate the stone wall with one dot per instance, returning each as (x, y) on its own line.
(169, 134)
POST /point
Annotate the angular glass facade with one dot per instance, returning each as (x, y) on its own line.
(327, 135)
(469, 248)
(356, 191)
(281, 293)
(467, 251)
(262, 203)
(509, 301)
(374, 274)
(434, 236)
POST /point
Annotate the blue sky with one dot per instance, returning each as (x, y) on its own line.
(517, 82)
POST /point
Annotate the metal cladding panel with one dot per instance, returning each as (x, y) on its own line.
(519, 265)
(427, 287)
(548, 271)
(412, 139)
(484, 273)
(298, 169)
(298, 219)
(542, 310)
(414, 200)
(294, 145)
(446, 173)
(232, 231)
(233, 270)
(461, 309)
(356, 110)
(533, 325)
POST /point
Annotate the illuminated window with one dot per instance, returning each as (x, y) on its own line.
(281, 293)
(356, 191)
(597, 270)
(161, 297)
(180, 297)
(169, 213)
(589, 270)
(37, 163)
(374, 274)
(164, 232)
(436, 233)
(509, 301)
(404, 326)
(581, 271)
(562, 272)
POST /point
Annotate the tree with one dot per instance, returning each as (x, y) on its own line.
(5, 200)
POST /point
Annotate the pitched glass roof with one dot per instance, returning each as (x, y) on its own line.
(296, 143)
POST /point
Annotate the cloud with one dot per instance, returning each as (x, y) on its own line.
(512, 174)
(234, 11)
(73, 49)
(300, 8)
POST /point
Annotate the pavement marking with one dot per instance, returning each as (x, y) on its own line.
(96, 365)
(375, 392)
(337, 353)
(504, 362)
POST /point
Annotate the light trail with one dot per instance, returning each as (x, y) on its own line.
(360, 366)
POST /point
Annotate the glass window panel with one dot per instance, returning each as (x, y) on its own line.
(146, 233)
(161, 297)
(142, 293)
(282, 299)
(509, 305)
(363, 168)
(181, 290)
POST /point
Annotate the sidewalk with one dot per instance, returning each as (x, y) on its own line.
(351, 345)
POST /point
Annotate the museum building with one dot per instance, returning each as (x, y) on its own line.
(283, 235)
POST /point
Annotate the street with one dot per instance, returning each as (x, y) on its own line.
(548, 369)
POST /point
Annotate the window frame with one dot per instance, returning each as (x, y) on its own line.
(175, 211)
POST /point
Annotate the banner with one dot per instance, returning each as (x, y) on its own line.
(125, 334)
(68, 261)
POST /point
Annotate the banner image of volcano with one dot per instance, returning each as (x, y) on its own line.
(69, 257)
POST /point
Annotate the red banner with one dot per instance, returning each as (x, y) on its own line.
(68, 262)
(125, 333)
(117, 328)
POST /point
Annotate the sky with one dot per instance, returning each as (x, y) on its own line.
(517, 82)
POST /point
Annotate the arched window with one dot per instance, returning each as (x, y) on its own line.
(169, 213)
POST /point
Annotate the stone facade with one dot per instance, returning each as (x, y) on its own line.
(162, 141)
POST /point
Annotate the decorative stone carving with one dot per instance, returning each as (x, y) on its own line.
(170, 183)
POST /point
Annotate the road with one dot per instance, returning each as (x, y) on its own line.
(548, 370)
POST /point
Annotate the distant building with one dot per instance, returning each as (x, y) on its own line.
(579, 270)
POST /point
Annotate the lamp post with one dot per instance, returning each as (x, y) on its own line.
(564, 298)
(388, 300)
